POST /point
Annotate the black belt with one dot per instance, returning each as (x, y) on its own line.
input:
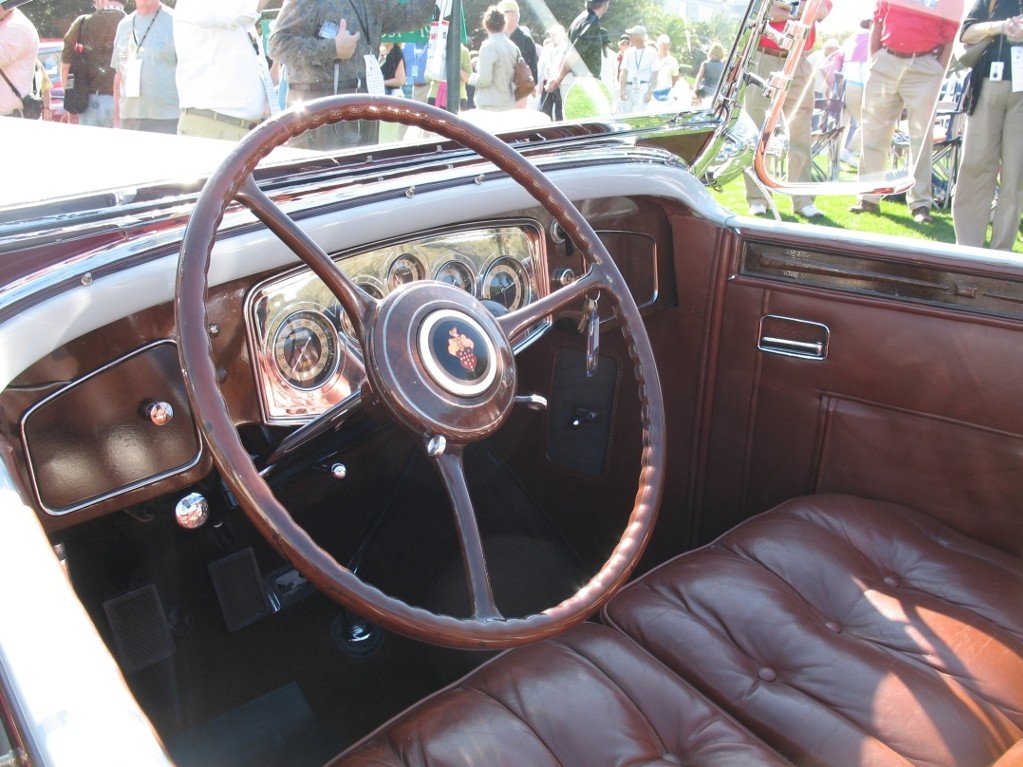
(237, 122)
(901, 55)
(773, 51)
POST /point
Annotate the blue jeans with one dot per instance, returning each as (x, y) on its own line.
(100, 111)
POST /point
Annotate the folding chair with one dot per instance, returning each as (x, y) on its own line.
(948, 143)
(826, 139)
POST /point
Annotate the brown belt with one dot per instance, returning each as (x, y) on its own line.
(901, 55)
(773, 51)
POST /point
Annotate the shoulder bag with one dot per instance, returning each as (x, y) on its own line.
(973, 52)
(76, 89)
(31, 104)
(523, 81)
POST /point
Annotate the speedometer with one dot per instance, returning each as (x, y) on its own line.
(305, 349)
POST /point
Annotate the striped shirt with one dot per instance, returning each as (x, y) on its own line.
(19, 46)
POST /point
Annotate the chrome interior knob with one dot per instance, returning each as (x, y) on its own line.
(192, 511)
(160, 413)
(562, 278)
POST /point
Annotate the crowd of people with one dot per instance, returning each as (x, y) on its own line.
(150, 70)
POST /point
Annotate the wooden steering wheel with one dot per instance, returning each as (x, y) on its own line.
(407, 338)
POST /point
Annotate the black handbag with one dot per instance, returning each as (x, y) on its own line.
(31, 104)
(76, 89)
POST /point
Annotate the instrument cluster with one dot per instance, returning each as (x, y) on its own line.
(306, 354)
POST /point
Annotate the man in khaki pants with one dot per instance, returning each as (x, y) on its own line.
(910, 44)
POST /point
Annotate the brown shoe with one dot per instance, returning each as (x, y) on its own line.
(865, 206)
(922, 215)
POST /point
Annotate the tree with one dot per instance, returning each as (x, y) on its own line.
(723, 27)
(53, 17)
(540, 16)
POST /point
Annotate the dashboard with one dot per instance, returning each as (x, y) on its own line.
(83, 417)
(306, 356)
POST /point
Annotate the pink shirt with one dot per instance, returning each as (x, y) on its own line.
(19, 46)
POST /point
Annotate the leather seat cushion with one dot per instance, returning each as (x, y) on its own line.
(589, 697)
(845, 631)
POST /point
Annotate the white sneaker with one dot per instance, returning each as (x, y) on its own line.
(809, 211)
(757, 209)
(850, 158)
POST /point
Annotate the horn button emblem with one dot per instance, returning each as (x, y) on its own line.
(457, 353)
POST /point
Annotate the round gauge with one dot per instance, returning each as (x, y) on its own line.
(456, 273)
(346, 323)
(404, 269)
(305, 349)
(371, 289)
(506, 283)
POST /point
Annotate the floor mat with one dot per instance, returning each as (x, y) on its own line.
(274, 729)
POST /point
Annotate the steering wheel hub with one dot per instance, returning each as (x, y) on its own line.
(457, 353)
(438, 361)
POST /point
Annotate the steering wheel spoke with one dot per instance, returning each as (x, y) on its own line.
(452, 471)
(357, 303)
(522, 319)
(328, 421)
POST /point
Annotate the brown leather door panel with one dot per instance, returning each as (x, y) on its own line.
(913, 403)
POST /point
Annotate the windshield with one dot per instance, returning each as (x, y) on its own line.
(191, 69)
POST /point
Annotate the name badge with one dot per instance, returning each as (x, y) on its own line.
(132, 76)
(374, 77)
(1017, 68)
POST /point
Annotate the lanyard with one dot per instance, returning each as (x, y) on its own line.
(134, 34)
(638, 56)
(362, 23)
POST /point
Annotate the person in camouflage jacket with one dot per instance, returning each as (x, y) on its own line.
(322, 45)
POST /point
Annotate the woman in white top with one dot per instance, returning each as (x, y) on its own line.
(495, 68)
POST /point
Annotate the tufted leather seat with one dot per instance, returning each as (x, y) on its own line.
(841, 631)
(587, 698)
(846, 632)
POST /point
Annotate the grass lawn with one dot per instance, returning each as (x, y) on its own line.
(894, 218)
